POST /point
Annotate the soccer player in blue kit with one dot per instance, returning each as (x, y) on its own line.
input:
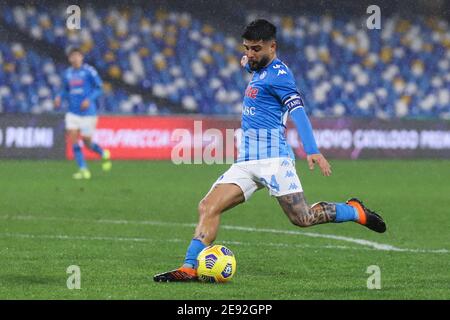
(265, 159)
(81, 87)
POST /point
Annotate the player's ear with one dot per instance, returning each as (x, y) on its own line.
(273, 46)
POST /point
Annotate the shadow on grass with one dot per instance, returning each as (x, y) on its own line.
(12, 280)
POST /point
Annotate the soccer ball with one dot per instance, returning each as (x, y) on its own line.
(216, 264)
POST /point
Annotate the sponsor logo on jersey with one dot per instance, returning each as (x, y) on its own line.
(251, 92)
(76, 82)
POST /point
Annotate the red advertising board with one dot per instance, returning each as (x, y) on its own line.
(147, 137)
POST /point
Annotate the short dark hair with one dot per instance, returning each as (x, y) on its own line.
(71, 50)
(260, 29)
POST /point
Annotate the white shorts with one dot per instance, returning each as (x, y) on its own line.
(276, 174)
(86, 124)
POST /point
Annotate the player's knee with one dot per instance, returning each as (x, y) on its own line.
(206, 209)
(201, 208)
(87, 143)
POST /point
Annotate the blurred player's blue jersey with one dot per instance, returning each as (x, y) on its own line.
(80, 84)
(265, 112)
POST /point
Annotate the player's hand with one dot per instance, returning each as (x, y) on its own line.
(85, 104)
(323, 164)
(244, 61)
(57, 102)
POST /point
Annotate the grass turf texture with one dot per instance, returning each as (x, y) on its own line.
(49, 222)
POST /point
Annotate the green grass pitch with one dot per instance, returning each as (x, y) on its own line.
(122, 227)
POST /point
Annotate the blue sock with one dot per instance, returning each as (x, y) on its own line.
(192, 252)
(96, 148)
(79, 156)
(344, 212)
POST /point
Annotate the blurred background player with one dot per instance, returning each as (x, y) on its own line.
(265, 158)
(81, 87)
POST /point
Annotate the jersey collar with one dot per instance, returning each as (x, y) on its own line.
(274, 61)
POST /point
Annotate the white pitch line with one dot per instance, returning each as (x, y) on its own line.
(89, 238)
(362, 242)
(133, 239)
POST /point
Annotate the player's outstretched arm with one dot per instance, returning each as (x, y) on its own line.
(305, 131)
(97, 87)
(62, 94)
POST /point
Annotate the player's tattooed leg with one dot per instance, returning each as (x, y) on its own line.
(200, 236)
(302, 215)
(326, 211)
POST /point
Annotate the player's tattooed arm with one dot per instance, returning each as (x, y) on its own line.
(300, 214)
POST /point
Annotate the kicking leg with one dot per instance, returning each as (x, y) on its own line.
(83, 172)
(302, 215)
(93, 146)
(104, 153)
(221, 198)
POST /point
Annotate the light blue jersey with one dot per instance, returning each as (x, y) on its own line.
(269, 97)
(80, 84)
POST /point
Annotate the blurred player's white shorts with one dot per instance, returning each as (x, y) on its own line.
(86, 124)
(276, 174)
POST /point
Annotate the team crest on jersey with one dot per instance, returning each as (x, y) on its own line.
(263, 75)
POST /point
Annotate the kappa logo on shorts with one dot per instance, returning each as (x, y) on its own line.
(285, 163)
(289, 174)
(293, 186)
(273, 183)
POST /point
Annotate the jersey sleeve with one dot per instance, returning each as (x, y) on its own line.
(283, 84)
(97, 84)
(64, 92)
(285, 89)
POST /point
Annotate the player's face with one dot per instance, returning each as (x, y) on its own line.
(259, 53)
(76, 59)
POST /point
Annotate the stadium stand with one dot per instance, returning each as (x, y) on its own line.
(342, 68)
